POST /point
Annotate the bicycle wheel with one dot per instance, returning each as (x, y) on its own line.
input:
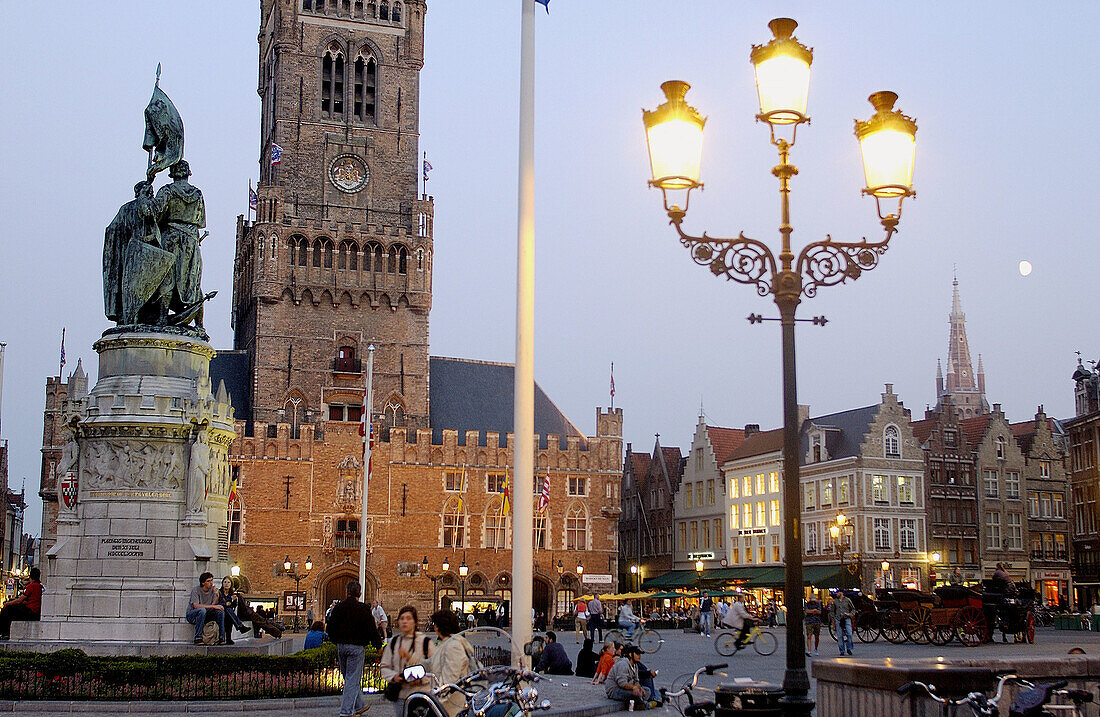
(765, 643)
(614, 636)
(650, 641)
(725, 643)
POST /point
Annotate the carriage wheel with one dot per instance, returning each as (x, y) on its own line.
(941, 634)
(1029, 629)
(970, 626)
(867, 627)
(892, 627)
(832, 630)
(918, 625)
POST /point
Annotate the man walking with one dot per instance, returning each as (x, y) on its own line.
(813, 623)
(706, 607)
(844, 611)
(351, 626)
(595, 618)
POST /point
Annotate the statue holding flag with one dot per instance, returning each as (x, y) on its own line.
(152, 267)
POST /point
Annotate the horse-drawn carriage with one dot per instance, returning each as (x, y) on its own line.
(951, 612)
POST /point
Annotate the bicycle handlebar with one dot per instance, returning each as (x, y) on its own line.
(711, 669)
(977, 700)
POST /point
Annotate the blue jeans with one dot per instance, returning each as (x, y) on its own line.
(200, 616)
(350, 658)
(620, 695)
(704, 623)
(844, 634)
(628, 628)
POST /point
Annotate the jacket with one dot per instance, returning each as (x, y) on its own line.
(554, 661)
(352, 624)
(450, 663)
(736, 616)
(392, 665)
(623, 675)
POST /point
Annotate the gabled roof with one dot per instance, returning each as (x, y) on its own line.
(670, 467)
(724, 441)
(1024, 433)
(844, 431)
(639, 462)
(757, 444)
(922, 429)
(974, 428)
(468, 395)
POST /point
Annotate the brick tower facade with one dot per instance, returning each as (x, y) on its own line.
(339, 255)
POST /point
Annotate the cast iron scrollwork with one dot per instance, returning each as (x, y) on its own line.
(829, 263)
(744, 260)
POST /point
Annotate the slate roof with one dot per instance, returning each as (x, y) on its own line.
(232, 367)
(724, 441)
(758, 444)
(844, 431)
(468, 395)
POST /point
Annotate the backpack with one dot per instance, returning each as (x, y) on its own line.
(210, 633)
(423, 646)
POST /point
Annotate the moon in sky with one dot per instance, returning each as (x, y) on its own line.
(1025, 267)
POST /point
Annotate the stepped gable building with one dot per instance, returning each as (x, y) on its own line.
(965, 387)
(339, 259)
(650, 482)
(867, 464)
(1083, 469)
(701, 501)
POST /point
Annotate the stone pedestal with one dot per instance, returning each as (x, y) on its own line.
(143, 488)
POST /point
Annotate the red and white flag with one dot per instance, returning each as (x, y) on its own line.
(366, 429)
(544, 497)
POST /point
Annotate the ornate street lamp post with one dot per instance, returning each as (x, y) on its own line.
(841, 530)
(634, 578)
(674, 133)
(885, 573)
(435, 578)
(463, 571)
(291, 570)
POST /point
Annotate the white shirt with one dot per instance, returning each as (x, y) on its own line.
(379, 614)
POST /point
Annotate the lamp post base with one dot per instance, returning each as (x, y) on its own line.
(796, 705)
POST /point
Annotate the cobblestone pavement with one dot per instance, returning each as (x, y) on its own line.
(680, 654)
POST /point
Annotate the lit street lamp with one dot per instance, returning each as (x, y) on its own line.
(434, 578)
(463, 571)
(885, 571)
(841, 530)
(291, 570)
(674, 134)
(634, 576)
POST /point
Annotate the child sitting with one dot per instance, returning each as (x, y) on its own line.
(607, 660)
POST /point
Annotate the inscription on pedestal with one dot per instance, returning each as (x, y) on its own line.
(131, 548)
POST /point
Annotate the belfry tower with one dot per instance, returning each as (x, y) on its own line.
(339, 256)
(965, 388)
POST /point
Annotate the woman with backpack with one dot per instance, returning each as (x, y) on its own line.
(408, 647)
(453, 658)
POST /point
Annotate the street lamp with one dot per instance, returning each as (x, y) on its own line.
(235, 571)
(674, 134)
(463, 571)
(841, 530)
(291, 571)
(634, 575)
(936, 557)
(580, 568)
(699, 567)
(435, 578)
(885, 569)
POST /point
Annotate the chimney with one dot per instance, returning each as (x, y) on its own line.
(751, 428)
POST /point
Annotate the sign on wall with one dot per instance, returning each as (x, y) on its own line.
(596, 579)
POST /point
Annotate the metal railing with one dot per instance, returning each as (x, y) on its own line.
(346, 540)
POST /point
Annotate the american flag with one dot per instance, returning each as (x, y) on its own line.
(276, 154)
(544, 497)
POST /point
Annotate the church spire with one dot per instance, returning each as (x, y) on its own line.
(967, 389)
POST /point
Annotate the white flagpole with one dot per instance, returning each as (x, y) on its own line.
(368, 429)
(524, 421)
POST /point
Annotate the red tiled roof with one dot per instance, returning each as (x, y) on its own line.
(923, 429)
(724, 441)
(758, 444)
(1024, 432)
(641, 463)
(672, 459)
(974, 428)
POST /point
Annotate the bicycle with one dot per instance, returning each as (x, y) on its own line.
(1033, 701)
(979, 704)
(693, 709)
(763, 641)
(646, 639)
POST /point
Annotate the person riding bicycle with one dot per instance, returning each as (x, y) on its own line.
(739, 618)
(628, 621)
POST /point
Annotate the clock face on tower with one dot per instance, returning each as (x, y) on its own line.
(348, 173)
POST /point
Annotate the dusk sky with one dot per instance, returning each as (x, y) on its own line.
(1004, 95)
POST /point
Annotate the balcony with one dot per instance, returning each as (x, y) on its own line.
(1049, 555)
(346, 540)
(347, 365)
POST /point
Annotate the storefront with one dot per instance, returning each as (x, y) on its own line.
(1052, 586)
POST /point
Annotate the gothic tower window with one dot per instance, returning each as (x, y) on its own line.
(384, 11)
(358, 8)
(396, 14)
(374, 250)
(317, 253)
(399, 260)
(328, 254)
(576, 528)
(332, 82)
(366, 74)
(454, 524)
(394, 415)
(307, 5)
(372, 9)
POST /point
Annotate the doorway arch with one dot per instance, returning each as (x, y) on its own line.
(540, 596)
(334, 586)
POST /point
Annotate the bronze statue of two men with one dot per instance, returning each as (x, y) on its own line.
(152, 265)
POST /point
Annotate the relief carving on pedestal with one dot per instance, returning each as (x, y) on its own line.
(136, 465)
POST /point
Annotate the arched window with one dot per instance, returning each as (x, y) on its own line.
(303, 251)
(374, 251)
(454, 524)
(1000, 447)
(294, 409)
(234, 518)
(349, 256)
(292, 250)
(576, 528)
(372, 8)
(891, 442)
(420, 259)
(396, 14)
(402, 260)
(394, 415)
(328, 254)
(391, 266)
(383, 11)
(317, 252)
(365, 82)
(332, 82)
(496, 524)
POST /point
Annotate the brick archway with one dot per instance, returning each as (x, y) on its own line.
(332, 585)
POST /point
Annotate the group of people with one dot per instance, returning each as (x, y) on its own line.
(226, 608)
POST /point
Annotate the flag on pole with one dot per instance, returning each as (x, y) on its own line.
(366, 430)
(62, 369)
(462, 491)
(506, 489)
(276, 154)
(427, 166)
(233, 491)
(544, 497)
(545, 4)
(253, 198)
(612, 384)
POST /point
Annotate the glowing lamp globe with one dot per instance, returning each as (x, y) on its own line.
(888, 143)
(674, 133)
(782, 75)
